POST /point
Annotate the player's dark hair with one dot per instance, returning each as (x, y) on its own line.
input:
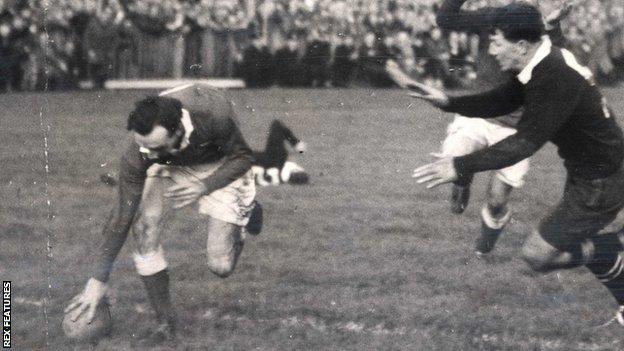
(155, 110)
(519, 21)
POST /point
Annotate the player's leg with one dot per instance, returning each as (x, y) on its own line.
(149, 255)
(497, 213)
(462, 138)
(226, 212)
(542, 256)
(607, 263)
(567, 238)
(561, 239)
(224, 245)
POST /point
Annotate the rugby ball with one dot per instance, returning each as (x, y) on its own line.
(80, 330)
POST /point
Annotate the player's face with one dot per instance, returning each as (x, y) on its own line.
(159, 142)
(506, 52)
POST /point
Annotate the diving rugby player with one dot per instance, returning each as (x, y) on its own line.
(186, 149)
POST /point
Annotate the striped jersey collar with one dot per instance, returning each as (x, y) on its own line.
(544, 50)
(188, 129)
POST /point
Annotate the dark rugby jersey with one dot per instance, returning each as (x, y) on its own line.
(561, 104)
(451, 17)
(214, 137)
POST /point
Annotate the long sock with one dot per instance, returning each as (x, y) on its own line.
(491, 228)
(607, 265)
(157, 288)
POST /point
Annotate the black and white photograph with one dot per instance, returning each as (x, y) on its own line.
(272, 175)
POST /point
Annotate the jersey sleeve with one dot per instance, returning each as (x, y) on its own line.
(131, 181)
(238, 156)
(549, 103)
(496, 102)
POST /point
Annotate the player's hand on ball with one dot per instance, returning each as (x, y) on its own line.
(87, 301)
(185, 194)
(436, 173)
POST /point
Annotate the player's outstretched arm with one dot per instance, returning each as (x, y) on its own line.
(114, 236)
(436, 173)
(418, 90)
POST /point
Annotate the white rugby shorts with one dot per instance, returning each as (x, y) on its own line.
(466, 135)
(232, 203)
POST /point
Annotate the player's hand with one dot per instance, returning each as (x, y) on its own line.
(436, 173)
(185, 194)
(558, 14)
(418, 90)
(87, 301)
(397, 75)
(435, 96)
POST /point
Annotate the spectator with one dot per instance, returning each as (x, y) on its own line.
(315, 60)
(62, 71)
(595, 29)
(437, 53)
(126, 52)
(344, 63)
(288, 67)
(100, 39)
(79, 23)
(372, 57)
(257, 65)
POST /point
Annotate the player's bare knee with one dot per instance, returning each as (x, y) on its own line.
(538, 254)
(535, 261)
(222, 266)
(223, 263)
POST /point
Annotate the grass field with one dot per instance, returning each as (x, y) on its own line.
(361, 259)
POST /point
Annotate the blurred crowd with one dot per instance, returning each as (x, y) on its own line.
(56, 44)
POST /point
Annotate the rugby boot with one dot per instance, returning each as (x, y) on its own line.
(256, 219)
(487, 239)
